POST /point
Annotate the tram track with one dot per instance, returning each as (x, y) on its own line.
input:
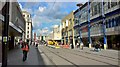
(99, 56)
(42, 51)
(83, 57)
(74, 65)
(89, 58)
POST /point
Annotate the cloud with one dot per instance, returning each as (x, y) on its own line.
(20, 6)
(47, 14)
(41, 9)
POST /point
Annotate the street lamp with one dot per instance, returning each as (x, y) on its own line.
(5, 12)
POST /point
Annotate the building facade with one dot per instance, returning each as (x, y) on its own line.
(16, 29)
(28, 29)
(105, 23)
(57, 33)
(16, 24)
(68, 30)
(99, 21)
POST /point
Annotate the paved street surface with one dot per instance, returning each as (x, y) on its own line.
(34, 58)
(75, 57)
(79, 57)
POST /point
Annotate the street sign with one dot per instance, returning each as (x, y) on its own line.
(1, 17)
(5, 39)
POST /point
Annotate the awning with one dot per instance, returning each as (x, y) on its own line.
(15, 27)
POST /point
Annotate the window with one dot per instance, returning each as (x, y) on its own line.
(110, 23)
(114, 22)
(106, 23)
(23, 15)
(28, 32)
(28, 23)
(113, 4)
(27, 36)
(118, 21)
(28, 27)
(95, 10)
(108, 5)
(27, 15)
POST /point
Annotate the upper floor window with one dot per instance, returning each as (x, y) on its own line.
(27, 15)
(108, 5)
(113, 4)
(28, 32)
(23, 15)
(27, 36)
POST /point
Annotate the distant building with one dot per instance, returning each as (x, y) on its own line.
(57, 33)
(35, 36)
(68, 30)
(50, 36)
(28, 29)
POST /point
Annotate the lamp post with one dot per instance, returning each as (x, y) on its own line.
(5, 12)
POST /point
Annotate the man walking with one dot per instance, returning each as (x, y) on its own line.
(25, 49)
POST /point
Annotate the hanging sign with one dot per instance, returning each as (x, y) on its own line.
(5, 39)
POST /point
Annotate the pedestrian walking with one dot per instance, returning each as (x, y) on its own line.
(25, 49)
(36, 44)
